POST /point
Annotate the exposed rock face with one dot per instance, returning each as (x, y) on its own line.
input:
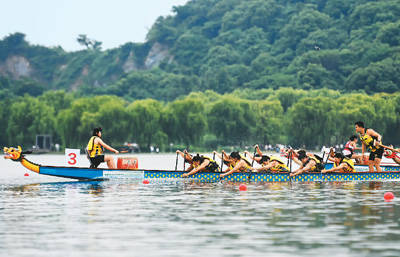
(157, 54)
(16, 66)
(129, 64)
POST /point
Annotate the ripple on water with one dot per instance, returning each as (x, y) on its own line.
(175, 218)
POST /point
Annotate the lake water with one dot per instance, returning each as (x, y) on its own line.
(47, 216)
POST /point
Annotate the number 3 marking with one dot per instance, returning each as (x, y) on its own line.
(72, 161)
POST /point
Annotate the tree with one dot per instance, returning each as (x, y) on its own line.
(145, 122)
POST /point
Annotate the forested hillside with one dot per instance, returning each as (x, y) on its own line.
(223, 45)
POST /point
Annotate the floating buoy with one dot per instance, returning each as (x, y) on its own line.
(26, 174)
(146, 181)
(389, 196)
(242, 187)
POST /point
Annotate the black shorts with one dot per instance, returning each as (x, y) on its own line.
(377, 154)
(95, 161)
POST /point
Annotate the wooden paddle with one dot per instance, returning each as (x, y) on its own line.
(184, 160)
(176, 162)
(254, 155)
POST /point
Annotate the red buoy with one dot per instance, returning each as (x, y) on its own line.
(389, 196)
(26, 174)
(146, 181)
(242, 187)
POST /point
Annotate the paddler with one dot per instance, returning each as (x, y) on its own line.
(241, 164)
(371, 140)
(392, 153)
(272, 164)
(350, 147)
(186, 156)
(227, 160)
(95, 149)
(201, 163)
(307, 162)
(341, 164)
(258, 157)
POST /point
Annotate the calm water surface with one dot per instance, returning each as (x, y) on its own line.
(47, 216)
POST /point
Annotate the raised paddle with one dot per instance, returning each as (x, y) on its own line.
(176, 162)
(254, 155)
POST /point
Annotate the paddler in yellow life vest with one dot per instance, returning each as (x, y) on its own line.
(272, 164)
(341, 164)
(94, 150)
(371, 140)
(241, 164)
(258, 157)
(307, 162)
(201, 163)
(228, 161)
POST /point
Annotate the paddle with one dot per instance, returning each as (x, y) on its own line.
(184, 161)
(222, 160)
(176, 162)
(290, 165)
(214, 156)
(254, 155)
(288, 158)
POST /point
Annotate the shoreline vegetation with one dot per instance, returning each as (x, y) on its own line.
(202, 121)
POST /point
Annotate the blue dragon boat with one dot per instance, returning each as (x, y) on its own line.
(388, 173)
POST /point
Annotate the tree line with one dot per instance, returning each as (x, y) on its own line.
(202, 120)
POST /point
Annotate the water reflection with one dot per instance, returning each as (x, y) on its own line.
(190, 218)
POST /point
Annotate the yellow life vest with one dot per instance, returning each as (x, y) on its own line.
(212, 166)
(369, 141)
(281, 167)
(318, 165)
(246, 168)
(349, 167)
(94, 149)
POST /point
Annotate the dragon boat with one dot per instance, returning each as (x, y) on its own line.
(390, 172)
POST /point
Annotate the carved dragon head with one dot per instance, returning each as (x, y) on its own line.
(12, 153)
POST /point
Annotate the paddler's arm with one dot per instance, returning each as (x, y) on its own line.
(373, 133)
(308, 167)
(266, 167)
(258, 150)
(180, 153)
(225, 156)
(217, 154)
(335, 169)
(107, 146)
(257, 159)
(236, 168)
(294, 157)
(194, 171)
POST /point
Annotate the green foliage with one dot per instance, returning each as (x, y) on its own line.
(203, 120)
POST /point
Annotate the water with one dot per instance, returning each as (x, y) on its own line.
(47, 216)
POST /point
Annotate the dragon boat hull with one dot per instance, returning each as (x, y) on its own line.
(91, 174)
(389, 173)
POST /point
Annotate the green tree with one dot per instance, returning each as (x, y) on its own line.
(145, 122)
